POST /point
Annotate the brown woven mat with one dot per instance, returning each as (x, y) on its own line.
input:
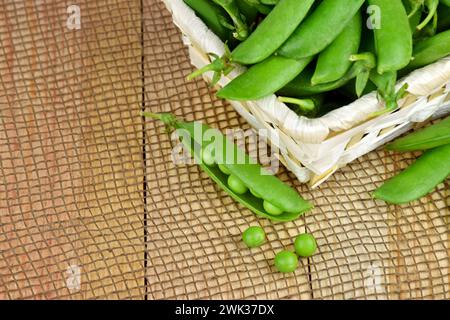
(91, 205)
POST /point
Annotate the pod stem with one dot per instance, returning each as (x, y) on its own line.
(364, 63)
(432, 6)
(386, 90)
(305, 105)
(241, 30)
(415, 6)
(167, 118)
(219, 65)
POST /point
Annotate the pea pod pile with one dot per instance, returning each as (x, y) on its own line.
(302, 48)
(236, 173)
(431, 169)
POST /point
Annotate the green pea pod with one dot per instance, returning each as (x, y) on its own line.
(212, 15)
(320, 28)
(393, 38)
(272, 32)
(302, 86)
(334, 61)
(241, 30)
(197, 137)
(431, 137)
(263, 79)
(430, 50)
(431, 169)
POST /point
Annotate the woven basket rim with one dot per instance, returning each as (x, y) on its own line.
(327, 119)
(313, 149)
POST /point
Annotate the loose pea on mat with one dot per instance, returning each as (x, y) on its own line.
(393, 38)
(416, 181)
(254, 237)
(431, 137)
(246, 173)
(334, 61)
(320, 28)
(305, 245)
(263, 79)
(272, 31)
(286, 261)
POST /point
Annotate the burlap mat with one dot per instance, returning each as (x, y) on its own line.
(91, 205)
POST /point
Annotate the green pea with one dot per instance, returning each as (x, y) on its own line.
(236, 185)
(254, 237)
(224, 169)
(254, 193)
(271, 209)
(286, 261)
(305, 245)
(208, 157)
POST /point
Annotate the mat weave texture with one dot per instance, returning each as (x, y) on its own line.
(91, 205)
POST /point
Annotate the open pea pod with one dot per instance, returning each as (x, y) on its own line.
(199, 139)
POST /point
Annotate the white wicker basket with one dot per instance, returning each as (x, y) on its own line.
(313, 149)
